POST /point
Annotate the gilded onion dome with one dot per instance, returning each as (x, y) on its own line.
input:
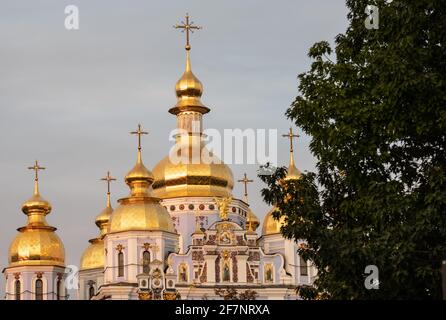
(187, 171)
(36, 243)
(270, 224)
(94, 256)
(292, 172)
(140, 211)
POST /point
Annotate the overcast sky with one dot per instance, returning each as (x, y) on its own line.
(69, 98)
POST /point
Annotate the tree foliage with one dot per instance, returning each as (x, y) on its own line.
(375, 109)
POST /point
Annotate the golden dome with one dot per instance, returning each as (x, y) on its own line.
(138, 172)
(140, 214)
(192, 179)
(252, 220)
(94, 256)
(292, 172)
(189, 90)
(270, 224)
(140, 211)
(36, 246)
(36, 202)
(102, 219)
(36, 243)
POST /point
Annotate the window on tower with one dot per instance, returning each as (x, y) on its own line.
(58, 287)
(91, 292)
(39, 289)
(17, 289)
(120, 264)
(303, 267)
(146, 262)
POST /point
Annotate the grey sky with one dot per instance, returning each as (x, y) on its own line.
(69, 98)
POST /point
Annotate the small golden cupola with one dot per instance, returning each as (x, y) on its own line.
(270, 224)
(252, 221)
(192, 175)
(292, 173)
(140, 211)
(94, 256)
(36, 243)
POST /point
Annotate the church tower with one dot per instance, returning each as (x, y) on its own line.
(272, 240)
(36, 269)
(91, 273)
(140, 235)
(190, 178)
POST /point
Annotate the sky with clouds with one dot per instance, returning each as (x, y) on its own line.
(70, 98)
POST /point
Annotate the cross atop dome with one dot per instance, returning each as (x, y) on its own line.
(189, 27)
(245, 181)
(139, 133)
(36, 167)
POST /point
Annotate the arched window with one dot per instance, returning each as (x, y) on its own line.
(120, 264)
(39, 289)
(90, 292)
(183, 272)
(17, 289)
(146, 262)
(226, 271)
(58, 287)
(303, 267)
(269, 273)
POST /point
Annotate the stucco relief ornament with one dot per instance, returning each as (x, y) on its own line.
(223, 207)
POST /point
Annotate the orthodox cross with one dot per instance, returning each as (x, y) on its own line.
(290, 135)
(187, 26)
(245, 181)
(36, 169)
(139, 132)
(109, 179)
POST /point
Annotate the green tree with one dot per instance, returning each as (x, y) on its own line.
(375, 111)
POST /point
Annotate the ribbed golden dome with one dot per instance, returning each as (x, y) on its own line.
(192, 180)
(140, 211)
(94, 256)
(36, 243)
(138, 215)
(39, 246)
(271, 225)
